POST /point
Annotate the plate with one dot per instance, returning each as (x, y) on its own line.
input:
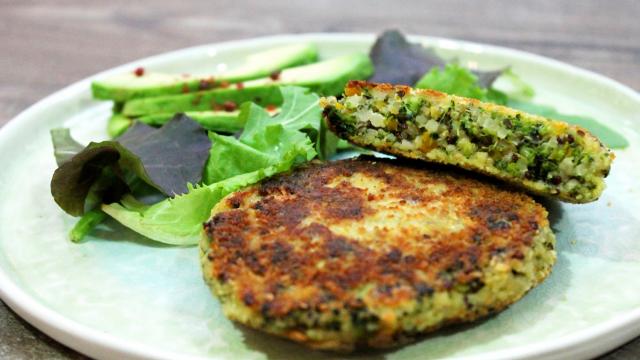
(120, 296)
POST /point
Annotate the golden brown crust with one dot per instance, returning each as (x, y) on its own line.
(356, 234)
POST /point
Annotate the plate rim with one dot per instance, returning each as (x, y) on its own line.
(592, 341)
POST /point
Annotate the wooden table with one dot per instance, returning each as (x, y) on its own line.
(47, 45)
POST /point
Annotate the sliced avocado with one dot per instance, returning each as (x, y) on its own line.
(203, 100)
(117, 107)
(264, 63)
(129, 86)
(327, 77)
(117, 125)
(219, 121)
(123, 87)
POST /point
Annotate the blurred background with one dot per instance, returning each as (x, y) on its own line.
(48, 45)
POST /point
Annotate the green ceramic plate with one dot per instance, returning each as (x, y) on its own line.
(121, 296)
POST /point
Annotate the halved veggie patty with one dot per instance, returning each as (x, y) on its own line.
(372, 252)
(541, 155)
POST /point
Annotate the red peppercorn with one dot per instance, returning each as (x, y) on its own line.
(139, 71)
(239, 86)
(229, 106)
(224, 84)
(271, 107)
(275, 75)
(205, 84)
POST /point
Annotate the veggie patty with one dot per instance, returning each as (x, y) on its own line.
(372, 252)
(541, 155)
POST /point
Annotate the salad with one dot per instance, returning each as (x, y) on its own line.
(181, 142)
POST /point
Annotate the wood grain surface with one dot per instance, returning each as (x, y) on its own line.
(49, 44)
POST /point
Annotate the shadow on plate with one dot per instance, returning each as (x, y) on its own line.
(554, 208)
(603, 229)
(111, 230)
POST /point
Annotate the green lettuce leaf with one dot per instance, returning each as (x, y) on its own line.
(268, 145)
(457, 80)
(266, 140)
(178, 220)
(231, 157)
(299, 111)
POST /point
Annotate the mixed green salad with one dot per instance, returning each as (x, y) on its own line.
(181, 142)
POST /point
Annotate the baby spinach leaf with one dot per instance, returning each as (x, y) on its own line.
(167, 159)
(400, 62)
(397, 61)
(74, 179)
(171, 156)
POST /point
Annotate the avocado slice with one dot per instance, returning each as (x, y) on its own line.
(141, 84)
(219, 121)
(264, 63)
(327, 77)
(118, 124)
(203, 100)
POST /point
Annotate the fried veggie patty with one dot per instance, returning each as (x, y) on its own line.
(369, 252)
(541, 155)
(372, 252)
